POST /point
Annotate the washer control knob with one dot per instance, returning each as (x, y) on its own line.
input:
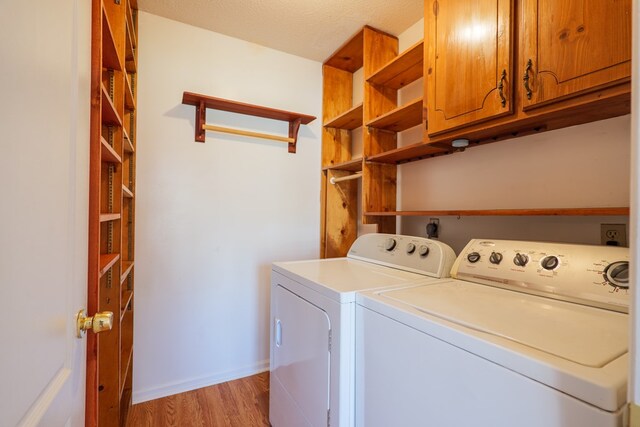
(390, 244)
(550, 262)
(617, 274)
(520, 259)
(473, 257)
(495, 258)
(423, 251)
(411, 248)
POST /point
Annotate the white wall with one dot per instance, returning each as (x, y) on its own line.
(212, 217)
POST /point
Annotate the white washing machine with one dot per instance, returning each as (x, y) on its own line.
(313, 322)
(529, 335)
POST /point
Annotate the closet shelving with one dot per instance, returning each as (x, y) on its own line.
(603, 211)
(401, 118)
(112, 209)
(349, 120)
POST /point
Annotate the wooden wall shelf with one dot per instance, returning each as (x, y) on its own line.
(401, 118)
(128, 145)
(353, 165)
(105, 217)
(202, 102)
(350, 56)
(411, 153)
(604, 211)
(126, 192)
(402, 70)
(129, 101)
(126, 269)
(349, 120)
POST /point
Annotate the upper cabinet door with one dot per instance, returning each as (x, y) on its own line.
(468, 61)
(573, 46)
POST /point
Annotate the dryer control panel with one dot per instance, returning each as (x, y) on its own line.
(592, 275)
(409, 253)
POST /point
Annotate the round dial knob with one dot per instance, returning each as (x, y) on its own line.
(520, 259)
(550, 262)
(495, 257)
(411, 248)
(617, 274)
(473, 257)
(423, 251)
(390, 244)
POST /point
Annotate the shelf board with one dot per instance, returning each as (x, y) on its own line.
(402, 70)
(604, 211)
(126, 299)
(128, 145)
(129, 100)
(126, 269)
(125, 365)
(126, 192)
(353, 165)
(110, 57)
(349, 120)
(109, 114)
(350, 56)
(410, 153)
(109, 217)
(401, 118)
(190, 98)
(107, 261)
(108, 154)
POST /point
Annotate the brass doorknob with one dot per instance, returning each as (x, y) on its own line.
(99, 322)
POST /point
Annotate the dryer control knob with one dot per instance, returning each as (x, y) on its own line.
(495, 258)
(473, 257)
(550, 262)
(423, 251)
(411, 248)
(520, 259)
(390, 244)
(617, 274)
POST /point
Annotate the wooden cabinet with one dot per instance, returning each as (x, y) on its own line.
(572, 46)
(112, 208)
(469, 67)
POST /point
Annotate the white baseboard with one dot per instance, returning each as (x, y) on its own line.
(176, 387)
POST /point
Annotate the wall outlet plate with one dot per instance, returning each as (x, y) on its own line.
(613, 234)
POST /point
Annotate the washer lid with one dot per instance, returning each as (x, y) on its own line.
(341, 278)
(588, 336)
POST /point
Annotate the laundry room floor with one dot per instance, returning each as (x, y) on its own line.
(243, 402)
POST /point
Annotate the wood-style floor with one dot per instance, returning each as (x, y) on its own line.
(239, 403)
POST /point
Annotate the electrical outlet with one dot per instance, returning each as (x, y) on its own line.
(613, 234)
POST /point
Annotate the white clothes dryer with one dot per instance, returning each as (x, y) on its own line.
(530, 335)
(313, 322)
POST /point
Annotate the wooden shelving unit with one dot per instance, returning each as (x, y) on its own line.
(384, 72)
(112, 209)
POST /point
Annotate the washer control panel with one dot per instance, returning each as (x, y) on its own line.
(591, 275)
(410, 253)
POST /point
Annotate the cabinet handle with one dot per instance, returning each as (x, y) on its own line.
(503, 77)
(525, 79)
(278, 333)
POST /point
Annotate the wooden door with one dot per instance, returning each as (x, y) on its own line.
(468, 62)
(573, 46)
(44, 117)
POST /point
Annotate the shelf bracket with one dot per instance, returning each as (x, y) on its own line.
(202, 102)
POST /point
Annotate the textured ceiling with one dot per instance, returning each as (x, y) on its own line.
(312, 29)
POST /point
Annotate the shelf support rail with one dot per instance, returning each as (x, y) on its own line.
(202, 102)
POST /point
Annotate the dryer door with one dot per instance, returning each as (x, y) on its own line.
(300, 361)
